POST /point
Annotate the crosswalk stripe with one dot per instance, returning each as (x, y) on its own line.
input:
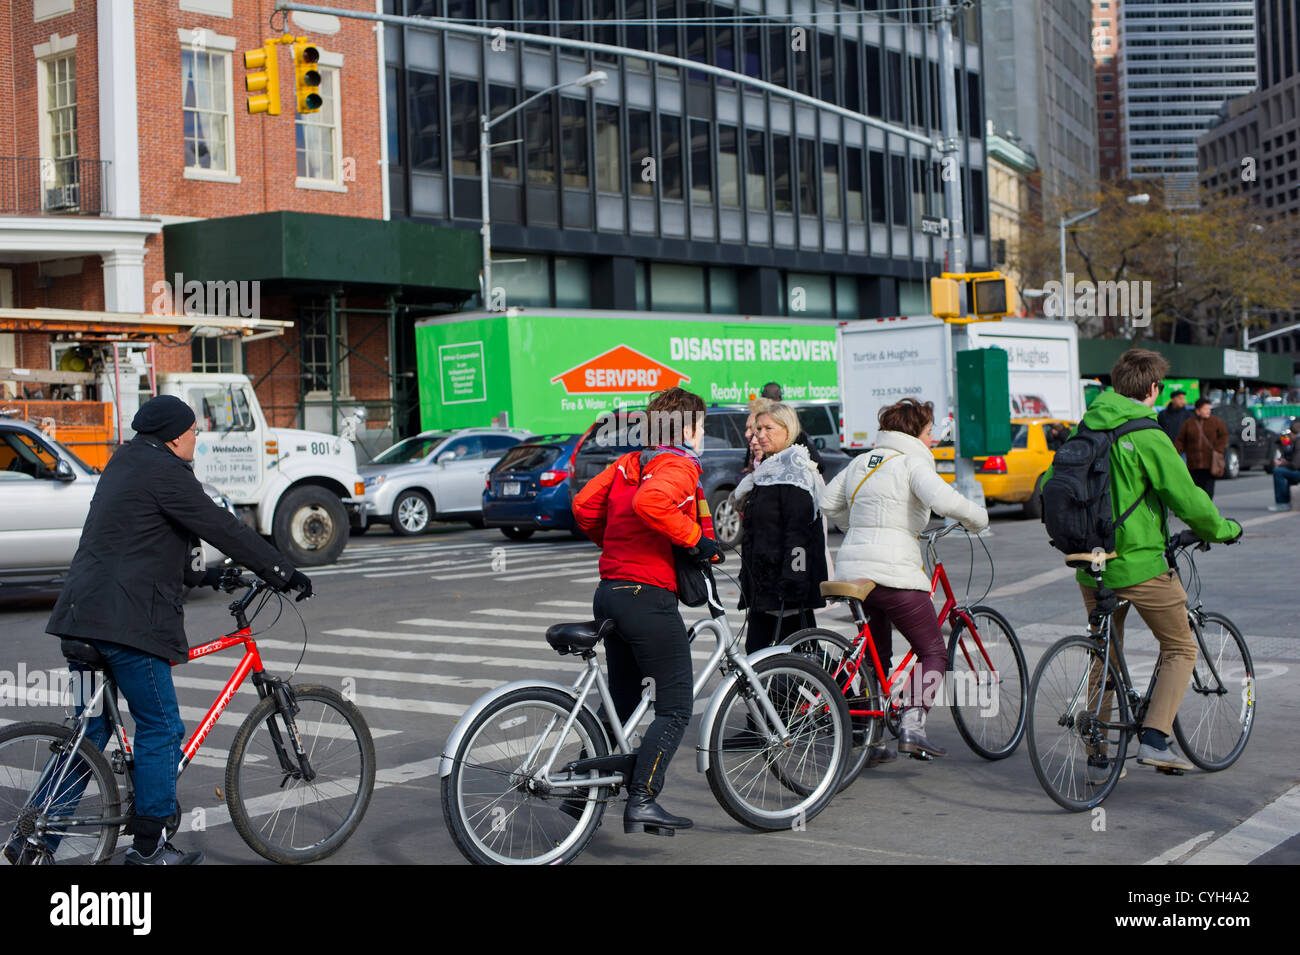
(359, 674)
(473, 625)
(362, 700)
(457, 639)
(551, 570)
(480, 660)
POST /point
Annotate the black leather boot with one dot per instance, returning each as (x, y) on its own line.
(645, 815)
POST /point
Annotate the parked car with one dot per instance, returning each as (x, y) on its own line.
(45, 492)
(528, 489)
(1280, 430)
(821, 422)
(1017, 476)
(722, 458)
(435, 475)
(1249, 444)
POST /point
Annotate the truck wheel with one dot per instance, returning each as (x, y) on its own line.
(311, 526)
(1231, 463)
(1034, 506)
(412, 512)
(726, 519)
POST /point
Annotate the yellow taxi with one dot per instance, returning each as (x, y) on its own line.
(1015, 477)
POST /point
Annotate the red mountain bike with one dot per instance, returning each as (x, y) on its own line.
(985, 684)
(298, 778)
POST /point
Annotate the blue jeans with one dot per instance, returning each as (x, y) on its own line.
(1283, 478)
(146, 682)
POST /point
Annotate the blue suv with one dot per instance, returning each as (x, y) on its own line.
(528, 489)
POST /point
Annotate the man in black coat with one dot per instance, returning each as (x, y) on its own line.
(139, 548)
(1175, 413)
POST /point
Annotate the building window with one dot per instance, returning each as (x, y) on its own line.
(638, 145)
(314, 337)
(728, 166)
(898, 177)
(572, 284)
(817, 295)
(831, 180)
(464, 127)
(781, 186)
(526, 281)
(539, 136)
(853, 183)
(755, 170)
(877, 182)
(701, 163)
(205, 79)
(505, 159)
(573, 141)
(216, 355)
(317, 136)
(59, 140)
(670, 158)
(425, 116)
(676, 288)
(724, 292)
(607, 151)
(778, 41)
(807, 177)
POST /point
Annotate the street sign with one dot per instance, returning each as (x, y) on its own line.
(1240, 364)
(934, 225)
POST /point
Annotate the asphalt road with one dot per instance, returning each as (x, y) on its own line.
(419, 628)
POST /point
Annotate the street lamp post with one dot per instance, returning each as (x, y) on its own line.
(485, 147)
(1140, 199)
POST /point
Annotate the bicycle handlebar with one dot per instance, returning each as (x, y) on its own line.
(944, 531)
(1188, 538)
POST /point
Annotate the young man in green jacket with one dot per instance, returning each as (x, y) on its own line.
(1144, 464)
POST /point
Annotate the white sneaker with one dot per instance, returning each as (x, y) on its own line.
(1279, 507)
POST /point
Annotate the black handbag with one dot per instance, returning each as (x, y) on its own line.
(693, 576)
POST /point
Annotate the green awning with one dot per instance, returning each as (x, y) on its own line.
(304, 247)
(1098, 355)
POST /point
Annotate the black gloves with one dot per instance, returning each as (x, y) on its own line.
(706, 549)
(301, 583)
(212, 577)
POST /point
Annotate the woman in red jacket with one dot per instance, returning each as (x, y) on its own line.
(635, 510)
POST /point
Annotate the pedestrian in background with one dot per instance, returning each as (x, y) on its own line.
(784, 557)
(772, 391)
(1286, 471)
(755, 453)
(1175, 413)
(1202, 438)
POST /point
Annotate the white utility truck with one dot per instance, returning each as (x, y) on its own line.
(295, 487)
(887, 359)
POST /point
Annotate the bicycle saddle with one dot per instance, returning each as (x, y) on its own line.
(847, 589)
(578, 638)
(79, 651)
(1087, 560)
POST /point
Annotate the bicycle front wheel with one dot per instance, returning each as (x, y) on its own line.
(770, 785)
(1214, 721)
(987, 682)
(834, 652)
(1078, 716)
(282, 815)
(497, 809)
(54, 805)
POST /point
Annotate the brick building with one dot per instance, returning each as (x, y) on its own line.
(128, 160)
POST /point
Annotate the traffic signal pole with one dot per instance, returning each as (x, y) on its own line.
(950, 148)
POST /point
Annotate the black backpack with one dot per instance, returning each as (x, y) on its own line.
(1076, 501)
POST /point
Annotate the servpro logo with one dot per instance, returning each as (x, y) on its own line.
(619, 371)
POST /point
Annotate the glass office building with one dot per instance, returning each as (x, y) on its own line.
(669, 189)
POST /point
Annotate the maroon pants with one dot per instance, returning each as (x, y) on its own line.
(913, 614)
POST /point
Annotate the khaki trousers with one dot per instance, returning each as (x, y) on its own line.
(1161, 602)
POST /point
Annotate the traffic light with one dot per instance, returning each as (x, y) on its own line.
(264, 80)
(945, 297)
(307, 77)
(993, 297)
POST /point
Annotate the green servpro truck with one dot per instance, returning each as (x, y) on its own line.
(553, 370)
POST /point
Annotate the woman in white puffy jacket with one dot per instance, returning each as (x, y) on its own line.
(884, 499)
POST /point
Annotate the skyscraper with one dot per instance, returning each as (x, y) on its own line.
(1179, 61)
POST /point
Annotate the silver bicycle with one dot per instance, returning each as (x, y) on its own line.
(529, 769)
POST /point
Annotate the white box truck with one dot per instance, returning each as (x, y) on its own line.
(886, 359)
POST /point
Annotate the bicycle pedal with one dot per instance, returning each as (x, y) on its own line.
(1170, 771)
(922, 756)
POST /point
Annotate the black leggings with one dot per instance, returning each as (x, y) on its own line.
(651, 645)
(766, 629)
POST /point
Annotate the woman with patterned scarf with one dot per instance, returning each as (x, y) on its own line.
(783, 536)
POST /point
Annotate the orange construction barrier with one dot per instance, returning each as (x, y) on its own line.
(84, 427)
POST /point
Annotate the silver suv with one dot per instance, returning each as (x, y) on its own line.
(434, 475)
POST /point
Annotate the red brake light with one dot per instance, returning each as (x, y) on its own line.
(997, 464)
(552, 478)
(487, 485)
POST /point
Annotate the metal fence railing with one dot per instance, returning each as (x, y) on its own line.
(32, 186)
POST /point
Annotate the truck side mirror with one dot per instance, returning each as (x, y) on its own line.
(820, 443)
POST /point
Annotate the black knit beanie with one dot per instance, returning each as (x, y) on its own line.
(165, 417)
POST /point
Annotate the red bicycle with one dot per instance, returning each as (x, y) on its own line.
(985, 684)
(298, 778)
